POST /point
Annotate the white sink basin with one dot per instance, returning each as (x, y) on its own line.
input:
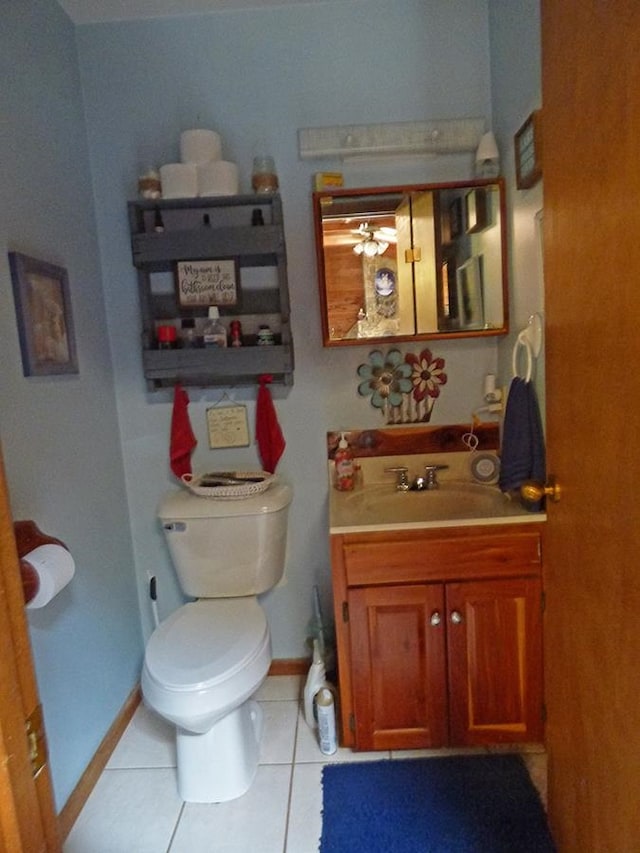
(381, 505)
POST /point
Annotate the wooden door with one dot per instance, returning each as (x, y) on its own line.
(27, 817)
(494, 639)
(591, 168)
(398, 666)
(424, 270)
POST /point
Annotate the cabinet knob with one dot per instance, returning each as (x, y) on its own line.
(456, 617)
(436, 619)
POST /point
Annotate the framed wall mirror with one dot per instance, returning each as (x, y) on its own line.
(412, 262)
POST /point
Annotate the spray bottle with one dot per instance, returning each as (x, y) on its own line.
(316, 680)
(326, 721)
(345, 469)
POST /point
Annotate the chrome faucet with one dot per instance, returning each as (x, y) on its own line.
(431, 476)
(402, 477)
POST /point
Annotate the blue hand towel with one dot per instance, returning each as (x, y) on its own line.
(523, 451)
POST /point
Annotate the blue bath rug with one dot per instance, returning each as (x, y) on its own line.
(462, 804)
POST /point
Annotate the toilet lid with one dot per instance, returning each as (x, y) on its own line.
(206, 642)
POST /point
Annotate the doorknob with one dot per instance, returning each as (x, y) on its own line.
(533, 492)
(435, 618)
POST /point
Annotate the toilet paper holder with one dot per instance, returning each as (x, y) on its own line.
(29, 537)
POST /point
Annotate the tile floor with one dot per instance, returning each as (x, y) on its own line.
(135, 807)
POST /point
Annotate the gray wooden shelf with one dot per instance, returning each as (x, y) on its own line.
(228, 234)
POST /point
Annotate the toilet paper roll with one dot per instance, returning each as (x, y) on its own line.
(218, 178)
(54, 567)
(200, 146)
(179, 180)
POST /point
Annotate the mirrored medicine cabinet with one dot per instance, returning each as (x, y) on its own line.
(412, 262)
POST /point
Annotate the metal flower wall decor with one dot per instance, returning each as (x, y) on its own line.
(403, 387)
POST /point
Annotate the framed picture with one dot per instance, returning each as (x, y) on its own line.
(43, 313)
(476, 210)
(528, 152)
(206, 283)
(469, 294)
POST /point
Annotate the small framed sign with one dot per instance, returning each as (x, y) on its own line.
(228, 427)
(206, 283)
(528, 152)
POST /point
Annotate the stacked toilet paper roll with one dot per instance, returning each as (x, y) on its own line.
(179, 180)
(219, 177)
(202, 171)
(54, 567)
(200, 146)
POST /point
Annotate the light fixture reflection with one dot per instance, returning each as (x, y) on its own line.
(371, 247)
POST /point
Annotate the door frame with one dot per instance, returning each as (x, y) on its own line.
(28, 821)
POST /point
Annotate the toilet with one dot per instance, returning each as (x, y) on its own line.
(206, 660)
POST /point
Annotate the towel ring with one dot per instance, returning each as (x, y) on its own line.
(522, 342)
(531, 339)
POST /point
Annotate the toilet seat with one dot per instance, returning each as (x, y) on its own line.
(205, 643)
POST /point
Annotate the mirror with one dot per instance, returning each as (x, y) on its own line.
(421, 261)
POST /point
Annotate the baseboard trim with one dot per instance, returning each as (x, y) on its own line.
(80, 794)
(289, 666)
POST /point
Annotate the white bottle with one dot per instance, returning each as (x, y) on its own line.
(326, 721)
(214, 333)
(316, 680)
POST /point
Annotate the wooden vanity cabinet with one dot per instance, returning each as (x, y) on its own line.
(439, 636)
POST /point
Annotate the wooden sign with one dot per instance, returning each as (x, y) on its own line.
(206, 283)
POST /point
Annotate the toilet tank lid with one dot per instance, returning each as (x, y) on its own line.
(182, 504)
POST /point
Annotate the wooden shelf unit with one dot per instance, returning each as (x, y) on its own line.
(228, 235)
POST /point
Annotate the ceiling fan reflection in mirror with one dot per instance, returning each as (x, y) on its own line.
(373, 241)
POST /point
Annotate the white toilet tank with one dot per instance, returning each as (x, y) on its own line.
(226, 548)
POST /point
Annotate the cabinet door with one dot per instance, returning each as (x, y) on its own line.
(495, 661)
(398, 666)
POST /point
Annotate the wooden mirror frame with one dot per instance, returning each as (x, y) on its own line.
(470, 186)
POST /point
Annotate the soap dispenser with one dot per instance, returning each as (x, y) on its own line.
(344, 465)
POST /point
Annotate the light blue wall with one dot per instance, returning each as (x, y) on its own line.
(60, 435)
(87, 456)
(516, 88)
(260, 75)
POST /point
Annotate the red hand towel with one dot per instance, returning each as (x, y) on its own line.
(269, 436)
(182, 438)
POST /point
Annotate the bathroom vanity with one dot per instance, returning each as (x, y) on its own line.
(438, 611)
(439, 636)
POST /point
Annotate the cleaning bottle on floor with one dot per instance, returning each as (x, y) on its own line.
(316, 680)
(326, 721)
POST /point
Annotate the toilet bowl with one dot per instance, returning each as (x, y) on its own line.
(205, 661)
(201, 666)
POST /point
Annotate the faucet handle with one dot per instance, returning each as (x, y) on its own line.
(431, 473)
(402, 476)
